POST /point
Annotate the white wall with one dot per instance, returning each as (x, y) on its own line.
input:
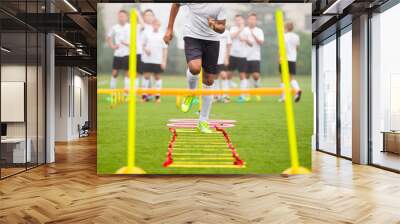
(71, 94)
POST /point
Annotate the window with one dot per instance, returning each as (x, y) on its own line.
(346, 94)
(22, 77)
(327, 96)
(385, 89)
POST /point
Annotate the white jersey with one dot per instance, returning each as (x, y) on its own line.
(154, 42)
(120, 33)
(223, 46)
(139, 36)
(196, 25)
(238, 47)
(292, 41)
(253, 52)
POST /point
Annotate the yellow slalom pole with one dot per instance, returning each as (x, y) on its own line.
(294, 157)
(178, 101)
(131, 168)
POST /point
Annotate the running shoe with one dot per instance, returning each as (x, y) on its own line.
(297, 97)
(241, 99)
(187, 104)
(258, 98)
(203, 127)
(226, 99)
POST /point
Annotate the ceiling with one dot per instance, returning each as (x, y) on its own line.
(75, 22)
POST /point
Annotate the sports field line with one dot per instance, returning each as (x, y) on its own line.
(203, 163)
(206, 166)
(208, 143)
(200, 154)
(201, 150)
(195, 141)
(191, 130)
(198, 137)
(194, 159)
(200, 147)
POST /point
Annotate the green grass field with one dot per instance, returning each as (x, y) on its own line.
(260, 134)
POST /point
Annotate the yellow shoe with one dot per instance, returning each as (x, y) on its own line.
(187, 104)
(258, 98)
(203, 127)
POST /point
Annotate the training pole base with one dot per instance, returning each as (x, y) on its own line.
(130, 170)
(299, 170)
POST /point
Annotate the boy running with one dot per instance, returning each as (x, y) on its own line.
(118, 41)
(292, 42)
(204, 24)
(154, 56)
(254, 38)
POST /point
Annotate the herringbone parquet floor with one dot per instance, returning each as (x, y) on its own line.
(69, 191)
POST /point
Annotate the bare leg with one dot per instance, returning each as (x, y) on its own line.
(243, 83)
(256, 78)
(145, 85)
(158, 85)
(192, 74)
(208, 81)
(225, 84)
(114, 75)
(127, 84)
(297, 89)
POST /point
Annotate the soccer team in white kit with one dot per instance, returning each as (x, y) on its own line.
(209, 47)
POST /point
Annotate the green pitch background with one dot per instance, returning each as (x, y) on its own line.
(260, 134)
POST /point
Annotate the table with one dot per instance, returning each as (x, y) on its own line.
(391, 141)
(18, 149)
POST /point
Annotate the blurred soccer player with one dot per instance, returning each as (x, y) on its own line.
(225, 44)
(254, 38)
(154, 56)
(237, 59)
(118, 40)
(292, 43)
(204, 25)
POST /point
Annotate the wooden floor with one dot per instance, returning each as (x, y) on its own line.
(69, 191)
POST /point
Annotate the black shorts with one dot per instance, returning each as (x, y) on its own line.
(292, 67)
(139, 64)
(236, 63)
(206, 50)
(152, 68)
(221, 68)
(253, 66)
(121, 63)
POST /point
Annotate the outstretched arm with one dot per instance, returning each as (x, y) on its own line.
(170, 29)
(165, 58)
